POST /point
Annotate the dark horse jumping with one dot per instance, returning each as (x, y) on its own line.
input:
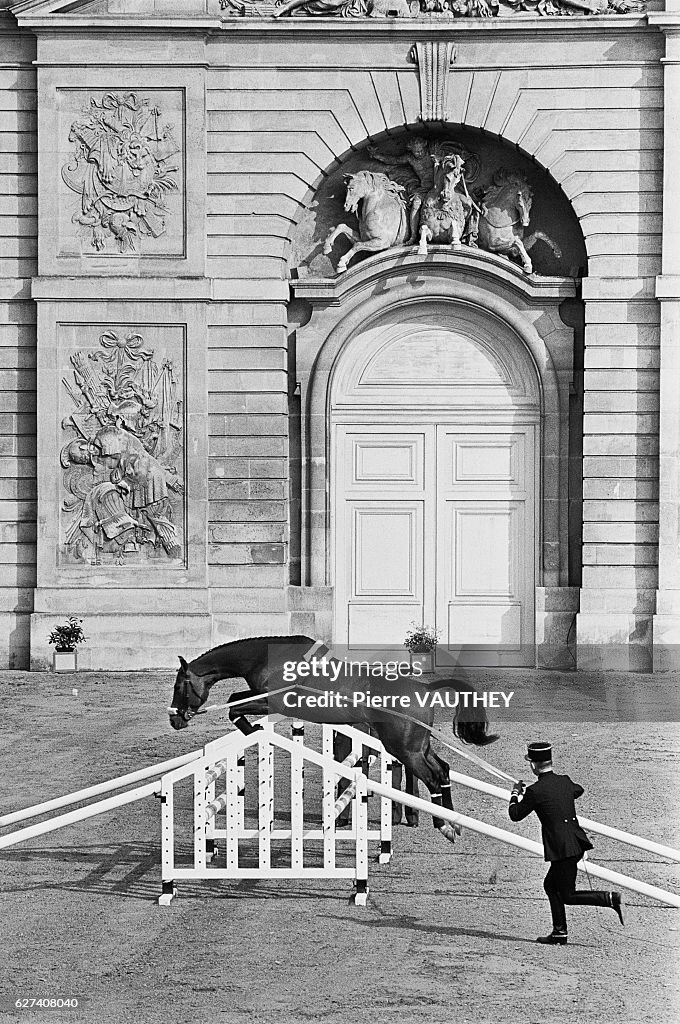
(260, 662)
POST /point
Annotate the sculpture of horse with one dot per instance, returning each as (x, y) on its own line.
(262, 663)
(505, 207)
(381, 211)
(444, 211)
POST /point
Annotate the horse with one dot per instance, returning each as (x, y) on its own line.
(264, 663)
(444, 211)
(503, 214)
(381, 211)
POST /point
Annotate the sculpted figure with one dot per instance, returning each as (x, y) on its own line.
(445, 210)
(503, 214)
(346, 8)
(417, 157)
(381, 211)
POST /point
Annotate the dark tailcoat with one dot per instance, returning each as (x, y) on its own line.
(552, 797)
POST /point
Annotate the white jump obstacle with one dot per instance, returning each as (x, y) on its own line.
(219, 821)
(220, 817)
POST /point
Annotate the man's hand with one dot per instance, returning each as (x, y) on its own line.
(518, 788)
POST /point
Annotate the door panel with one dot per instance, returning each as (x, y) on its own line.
(485, 583)
(380, 534)
(435, 524)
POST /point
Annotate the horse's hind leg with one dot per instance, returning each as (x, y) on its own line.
(410, 787)
(424, 766)
(447, 800)
(425, 236)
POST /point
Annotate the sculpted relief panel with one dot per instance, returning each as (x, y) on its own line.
(429, 189)
(122, 174)
(426, 9)
(122, 451)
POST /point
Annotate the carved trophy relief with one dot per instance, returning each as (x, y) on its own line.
(123, 167)
(122, 455)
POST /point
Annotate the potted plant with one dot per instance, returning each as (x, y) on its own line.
(65, 639)
(421, 642)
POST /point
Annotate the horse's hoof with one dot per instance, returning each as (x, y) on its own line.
(422, 250)
(449, 831)
(327, 249)
(340, 269)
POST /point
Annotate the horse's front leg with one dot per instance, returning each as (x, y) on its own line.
(368, 245)
(425, 237)
(238, 715)
(527, 265)
(341, 229)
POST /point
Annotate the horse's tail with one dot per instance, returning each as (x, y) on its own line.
(470, 723)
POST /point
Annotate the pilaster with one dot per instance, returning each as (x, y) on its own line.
(667, 618)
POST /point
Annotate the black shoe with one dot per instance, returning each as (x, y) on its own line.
(617, 904)
(554, 939)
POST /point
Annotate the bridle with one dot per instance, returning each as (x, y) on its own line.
(188, 712)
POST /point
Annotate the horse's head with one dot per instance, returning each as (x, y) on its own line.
(524, 199)
(447, 174)
(357, 189)
(189, 694)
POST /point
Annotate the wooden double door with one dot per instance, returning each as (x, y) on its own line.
(436, 524)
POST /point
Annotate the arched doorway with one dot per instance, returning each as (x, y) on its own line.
(434, 447)
(460, 367)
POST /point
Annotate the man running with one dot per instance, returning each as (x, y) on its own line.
(564, 841)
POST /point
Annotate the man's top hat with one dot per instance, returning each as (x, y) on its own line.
(538, 752)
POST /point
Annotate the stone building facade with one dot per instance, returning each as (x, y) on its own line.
(208, 431)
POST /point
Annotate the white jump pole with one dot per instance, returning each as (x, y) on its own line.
(71, 817)
(234, 808)
(594, 826)
(361, 832)
(669, 898)
(385, 854)
(297, 824)
(167, 843)
(265, 783)
(328, 801)
(97, 790)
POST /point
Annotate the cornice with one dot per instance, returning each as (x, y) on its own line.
(402, 262)
(28, 16)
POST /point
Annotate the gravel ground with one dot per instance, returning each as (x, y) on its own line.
(448, 935)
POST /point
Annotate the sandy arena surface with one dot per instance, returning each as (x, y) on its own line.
(448, 935)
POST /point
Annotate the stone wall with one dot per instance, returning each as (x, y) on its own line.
(284, 103)
(18, 252)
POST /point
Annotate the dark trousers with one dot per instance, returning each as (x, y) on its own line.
(560, 888)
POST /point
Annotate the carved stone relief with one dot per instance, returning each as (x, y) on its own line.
(425, 199)
(426, 9)
(124, 175)
(434, 60)
(122, 455)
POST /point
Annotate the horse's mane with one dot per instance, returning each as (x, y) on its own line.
(377, 180)
(296, 638)
(503, 180)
